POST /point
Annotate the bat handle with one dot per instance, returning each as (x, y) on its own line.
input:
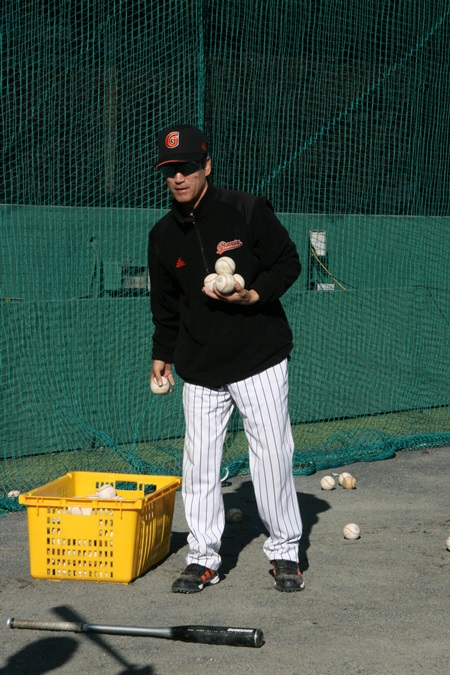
(70, 626)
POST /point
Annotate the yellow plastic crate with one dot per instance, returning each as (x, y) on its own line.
(116, 541)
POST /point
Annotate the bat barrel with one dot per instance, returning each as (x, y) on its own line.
(220, 635)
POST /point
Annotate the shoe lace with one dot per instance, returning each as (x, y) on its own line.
(199, 570)
(286, 567)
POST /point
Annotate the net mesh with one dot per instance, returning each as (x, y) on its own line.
(337, 112)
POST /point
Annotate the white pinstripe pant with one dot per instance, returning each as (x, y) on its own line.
(262, 403)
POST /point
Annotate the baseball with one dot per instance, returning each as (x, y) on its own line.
(106, 492)
(351, 531)
(13, 494)
(225, 265)
(79, 510)
(349, 483)
(343, 475)
(447, 543)
(327, 483)
(225, 284)
(209, 281)
(233, 516)
(239, 279)
(160, 390)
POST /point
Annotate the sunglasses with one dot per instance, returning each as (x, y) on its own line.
(185, 168)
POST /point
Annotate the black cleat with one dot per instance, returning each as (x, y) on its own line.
(287, 575)
(194, 579)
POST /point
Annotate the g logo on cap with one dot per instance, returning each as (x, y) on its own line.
(173, 139)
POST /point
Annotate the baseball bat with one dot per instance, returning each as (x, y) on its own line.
(211, 635)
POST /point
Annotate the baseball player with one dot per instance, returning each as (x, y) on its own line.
(230, 350)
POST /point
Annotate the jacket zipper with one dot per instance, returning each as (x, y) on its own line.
(201, 245)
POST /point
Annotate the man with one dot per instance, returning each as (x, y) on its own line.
(230, 350)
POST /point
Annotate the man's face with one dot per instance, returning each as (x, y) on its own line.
(186, 184)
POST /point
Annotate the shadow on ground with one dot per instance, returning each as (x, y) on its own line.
(251, 526)
(41, 656)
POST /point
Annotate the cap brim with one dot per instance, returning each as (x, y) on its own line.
(170, 161)
(180, 160)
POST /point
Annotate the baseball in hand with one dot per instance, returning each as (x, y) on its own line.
(349, 483)
(225, 265)
(233, 516)
(327, 483)
(343, 475)
(351, 531)
(225, 284)
(209, 281)
(239, 279)
(160, 390)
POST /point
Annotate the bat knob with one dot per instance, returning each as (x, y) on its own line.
(258, 637)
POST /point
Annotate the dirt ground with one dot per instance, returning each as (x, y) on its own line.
(378, 605)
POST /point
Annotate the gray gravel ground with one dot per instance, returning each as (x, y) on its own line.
(379, 605)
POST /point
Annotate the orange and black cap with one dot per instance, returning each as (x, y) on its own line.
(181, 143)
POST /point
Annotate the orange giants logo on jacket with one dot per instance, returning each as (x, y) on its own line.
(173, 139)
(223, 246)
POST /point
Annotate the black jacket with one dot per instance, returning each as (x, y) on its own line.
(210, 342)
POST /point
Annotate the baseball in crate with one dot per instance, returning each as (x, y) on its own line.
(219, 262)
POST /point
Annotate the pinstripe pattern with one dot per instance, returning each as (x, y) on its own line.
(262, 403)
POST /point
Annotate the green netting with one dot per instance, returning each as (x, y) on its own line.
(338, 112)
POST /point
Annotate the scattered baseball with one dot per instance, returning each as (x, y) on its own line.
(13, 494)
(209, 281)
(233, 516)
(351, 531)
(447, 543)
(349, 483)
(343, 475)
(327, 483)
(160, 390)
(225, 265)
(239, 279)
(225, 284)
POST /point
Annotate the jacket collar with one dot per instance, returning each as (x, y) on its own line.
(199, 212)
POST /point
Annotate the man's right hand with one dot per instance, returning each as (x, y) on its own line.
(161, 369)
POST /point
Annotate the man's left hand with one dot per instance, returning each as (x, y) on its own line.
(241, 296)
